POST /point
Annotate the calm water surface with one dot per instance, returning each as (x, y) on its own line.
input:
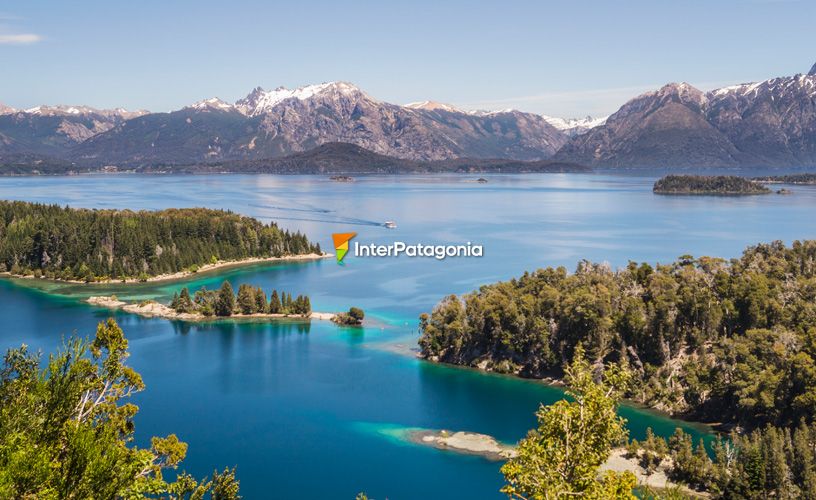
(310, 411)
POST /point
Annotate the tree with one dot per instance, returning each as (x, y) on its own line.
(65, 431)
(225, 303)
(356, 314)
(561, 458)
(274, 303)
(246, 299)
(260, 301)
(185, 303)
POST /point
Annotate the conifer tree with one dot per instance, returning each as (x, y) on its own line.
(274, 303)
(225, 303)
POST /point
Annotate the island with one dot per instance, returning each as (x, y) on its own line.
(801, 179)
(205, 305)
(342, 178)
(730, 185)
(96, 246)
(354, 317)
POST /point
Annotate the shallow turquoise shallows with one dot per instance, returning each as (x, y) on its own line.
(317, 411)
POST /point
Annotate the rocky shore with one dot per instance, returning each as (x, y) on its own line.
(471, 443)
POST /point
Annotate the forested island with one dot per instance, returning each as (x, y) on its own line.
(803, 179)
(708, 184)
(75, 244)
(249, 302)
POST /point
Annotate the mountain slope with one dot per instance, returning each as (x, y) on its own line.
(345, 158)
(770, 123)
(54, 130)
(275, 123)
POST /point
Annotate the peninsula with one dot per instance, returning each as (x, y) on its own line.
(90, 246)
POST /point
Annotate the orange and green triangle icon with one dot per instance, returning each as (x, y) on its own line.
(341, 244)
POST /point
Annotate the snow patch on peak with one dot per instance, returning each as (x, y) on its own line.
(62, 110)
(260, 101)
(812, 70)
(483, 112)
(575, 126)
(432, 106)
(6, 110)
(213, 103)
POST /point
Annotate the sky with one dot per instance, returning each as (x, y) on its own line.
(560, 58)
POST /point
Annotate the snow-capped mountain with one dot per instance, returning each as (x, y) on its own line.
(433, 106)
(575, 126)
(212, 104)
(55, 129)
(768, 123)
(261, 101)
(268, 124)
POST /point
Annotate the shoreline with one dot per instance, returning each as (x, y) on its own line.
(488, 447)
(153, 309)
(714, 428)
(178, 275)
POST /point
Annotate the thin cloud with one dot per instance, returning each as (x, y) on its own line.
(19, 39)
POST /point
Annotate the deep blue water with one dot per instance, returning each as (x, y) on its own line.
(305, 410)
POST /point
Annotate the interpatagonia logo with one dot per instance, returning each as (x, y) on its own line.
(341, 244)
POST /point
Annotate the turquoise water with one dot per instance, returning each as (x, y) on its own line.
(316, 411)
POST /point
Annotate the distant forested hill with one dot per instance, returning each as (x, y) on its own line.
(708, 184)
(68, 243)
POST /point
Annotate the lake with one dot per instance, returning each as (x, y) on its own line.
(313, 410)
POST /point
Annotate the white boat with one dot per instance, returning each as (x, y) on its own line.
(390, 224)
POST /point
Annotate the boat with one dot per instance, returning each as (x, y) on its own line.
(390, 224)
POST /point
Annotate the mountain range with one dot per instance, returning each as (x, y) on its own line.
(765, 124)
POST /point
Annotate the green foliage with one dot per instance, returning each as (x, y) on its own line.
(353, 317)
(250, 300)
(79, 244)
(770, 462)
(65, 429)
(562, 457)
(225, 302)
(731, 341)
(274, 303)
(356, 314)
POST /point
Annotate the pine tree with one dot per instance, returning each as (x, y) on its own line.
(185, 303)
(225, 303)
(246, 299)
(274, 303)
(260, 301)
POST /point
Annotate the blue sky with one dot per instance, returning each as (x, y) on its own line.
(564, 58)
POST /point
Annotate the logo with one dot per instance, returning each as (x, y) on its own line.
(341, 244)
